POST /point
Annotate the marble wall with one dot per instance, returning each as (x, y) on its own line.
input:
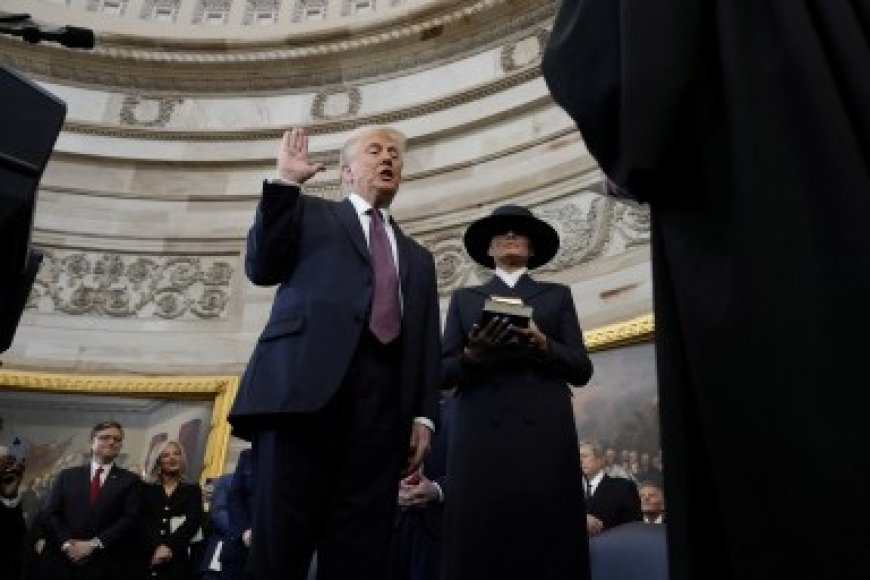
(145, 204)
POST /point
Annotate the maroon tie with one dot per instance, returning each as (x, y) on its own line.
(95, 485)
(386, 318)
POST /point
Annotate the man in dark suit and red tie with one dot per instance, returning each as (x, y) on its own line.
(341, 391)
(91, 513)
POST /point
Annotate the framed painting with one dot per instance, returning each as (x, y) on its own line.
(50, 416)
(619, 406)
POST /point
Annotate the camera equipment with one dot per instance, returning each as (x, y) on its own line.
(31, 119)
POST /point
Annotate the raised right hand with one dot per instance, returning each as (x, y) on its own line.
(293, 162)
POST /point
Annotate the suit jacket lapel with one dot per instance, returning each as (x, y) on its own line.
(526, 288)
(109, 485)
(404, 257)
(346, 214)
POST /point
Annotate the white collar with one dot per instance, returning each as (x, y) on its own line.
(107, 467)
(593, 483)
(510, 278)
(362, 206)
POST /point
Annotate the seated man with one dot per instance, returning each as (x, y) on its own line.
(652, 502)
(610, 501)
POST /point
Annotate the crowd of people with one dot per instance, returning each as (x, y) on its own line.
(165, 527)
(100, 521)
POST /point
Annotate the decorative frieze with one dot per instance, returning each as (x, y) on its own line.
(336, 104)
(524, 52)
(160, 10)
(108, 7)
(309, 10)
(147, 111)
(261, 12)
(133, 286)
(212, 12)
(358, 7)
(590, 226)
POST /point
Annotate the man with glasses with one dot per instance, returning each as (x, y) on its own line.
(91, 513)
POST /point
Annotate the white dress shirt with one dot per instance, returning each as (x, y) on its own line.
(362, 207)
(592, 484)
(106, 469)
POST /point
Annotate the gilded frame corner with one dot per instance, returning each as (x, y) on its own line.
(219, 389)
(637, 329)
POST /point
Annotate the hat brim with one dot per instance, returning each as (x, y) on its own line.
(543, 237)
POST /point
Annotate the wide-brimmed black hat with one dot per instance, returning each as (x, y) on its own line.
(478, 236)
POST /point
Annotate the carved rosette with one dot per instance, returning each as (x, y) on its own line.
(133, 286)
(158, 114)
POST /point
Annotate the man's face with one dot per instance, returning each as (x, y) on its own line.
(106, 444)
(589, 462)
(652, 500)
(374, 170)
(510, 247)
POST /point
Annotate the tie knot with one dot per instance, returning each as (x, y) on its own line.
(376, 214)
(99, 471)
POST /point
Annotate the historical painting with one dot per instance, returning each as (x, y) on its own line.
(619, 409)
(47, 419)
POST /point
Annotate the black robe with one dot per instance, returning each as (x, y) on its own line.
(746, 126)
(514, 497)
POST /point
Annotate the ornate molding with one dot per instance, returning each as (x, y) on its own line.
(325, 101)
(220, 389)
(319, 127)
(590, 226)
(131, 115)
(639, 329)
(392, 52)
(133, 286)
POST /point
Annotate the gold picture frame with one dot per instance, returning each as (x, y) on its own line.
(637, 329)
(221, 390)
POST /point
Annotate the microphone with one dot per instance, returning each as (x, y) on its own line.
(69, 36)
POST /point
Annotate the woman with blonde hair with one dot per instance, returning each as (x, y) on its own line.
(172, 514)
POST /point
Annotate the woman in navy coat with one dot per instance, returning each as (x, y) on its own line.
(515, 507)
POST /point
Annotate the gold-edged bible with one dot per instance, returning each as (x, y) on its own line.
(513, 309)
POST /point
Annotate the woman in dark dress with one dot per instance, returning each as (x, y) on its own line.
(514, 498)
(172, 516)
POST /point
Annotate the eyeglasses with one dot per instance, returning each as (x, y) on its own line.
(114, 438)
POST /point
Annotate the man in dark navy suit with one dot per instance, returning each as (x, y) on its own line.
(415, 548)
(91, 513)
(610, 501)
(346, 372)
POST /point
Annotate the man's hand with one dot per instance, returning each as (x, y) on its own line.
(246, 537)
(594, 526)
(162, 554)
(534, 336)
(293, 162)
(416, 490)
(78, 551)
(420, 439)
